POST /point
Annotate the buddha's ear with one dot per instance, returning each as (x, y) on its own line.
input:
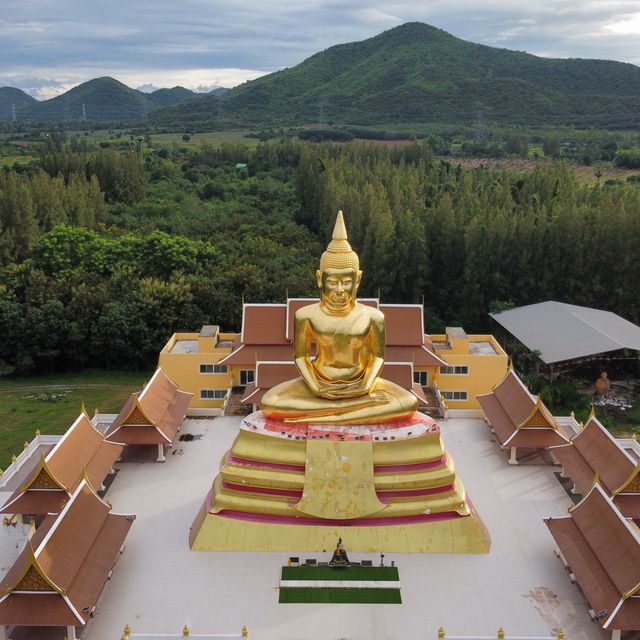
(319, 278)
(358, 278)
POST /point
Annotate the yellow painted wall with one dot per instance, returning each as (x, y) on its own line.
(184, 368)
(485, 371)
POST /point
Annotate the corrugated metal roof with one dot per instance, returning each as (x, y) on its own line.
(565, 331)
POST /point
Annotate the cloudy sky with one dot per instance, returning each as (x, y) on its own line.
(48, 46)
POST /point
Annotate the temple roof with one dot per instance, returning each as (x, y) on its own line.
(153, 416)
(82, 451)
(562, 331)
(58, 577)
(602, 549)
(519, 418)
(595, 452)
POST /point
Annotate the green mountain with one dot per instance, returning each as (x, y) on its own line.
(102, 100)
(417, 73)
(168, 97)
(99, 99)
(11, 97)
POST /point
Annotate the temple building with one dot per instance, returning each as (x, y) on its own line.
(60, 573)
(601, 549)
(226, 371)
(520, 420)
(48, 480)
(594, 455)
(151, 418)
(192, 361)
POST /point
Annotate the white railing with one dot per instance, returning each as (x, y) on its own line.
(186, 633)
(441, 403)
(500, 635)
(170, 636)
(26, 455)
(227, 400)
(569, 423)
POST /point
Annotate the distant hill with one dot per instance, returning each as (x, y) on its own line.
(219, 91)
(169, 97)
(102, 99)
(10, 96)
(417, 73)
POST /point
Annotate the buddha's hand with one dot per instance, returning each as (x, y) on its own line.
(341, 390)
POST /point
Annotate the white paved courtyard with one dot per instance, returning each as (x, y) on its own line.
(159, 585)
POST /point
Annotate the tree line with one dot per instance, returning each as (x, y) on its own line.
(103, 255)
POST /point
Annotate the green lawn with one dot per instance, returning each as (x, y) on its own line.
(339, 573)
(340, 596)
(52, 403)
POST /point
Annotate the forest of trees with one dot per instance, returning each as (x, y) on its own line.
(105, 253)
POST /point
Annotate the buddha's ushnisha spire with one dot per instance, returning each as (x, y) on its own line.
(339, 254)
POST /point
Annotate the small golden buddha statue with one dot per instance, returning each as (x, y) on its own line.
(603, 384)
(341, 385)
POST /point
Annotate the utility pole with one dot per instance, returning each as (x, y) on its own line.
(14, 117)
(84, 113)
(321, 103)
(479, 131)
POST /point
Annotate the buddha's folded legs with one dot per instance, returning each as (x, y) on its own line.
(293, 401)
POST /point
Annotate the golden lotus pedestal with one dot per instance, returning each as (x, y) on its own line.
(298, 487)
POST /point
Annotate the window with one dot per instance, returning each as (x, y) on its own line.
(213, 368)
(420, 377)
(212, 394)
(458, 370)
(247, 376)
(454, 395)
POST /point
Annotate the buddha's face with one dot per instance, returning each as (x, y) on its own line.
(339, 288)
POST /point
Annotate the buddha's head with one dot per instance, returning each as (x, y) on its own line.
(339, 274)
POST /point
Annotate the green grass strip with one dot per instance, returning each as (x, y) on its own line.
(340, 596)
(340, 573)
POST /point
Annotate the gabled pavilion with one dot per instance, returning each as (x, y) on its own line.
(82, 452)
(594, 455)
(56, 580)
(601, 549)
(519, 419)
(152, 417)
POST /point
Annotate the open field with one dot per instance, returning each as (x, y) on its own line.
(9, 161)
(210, 137)
(51, 404)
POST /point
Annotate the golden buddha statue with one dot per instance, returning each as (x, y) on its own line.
(341, 385)
(338, 448)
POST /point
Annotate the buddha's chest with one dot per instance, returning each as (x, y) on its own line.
(353, 328)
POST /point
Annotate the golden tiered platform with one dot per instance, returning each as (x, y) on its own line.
(298, 487)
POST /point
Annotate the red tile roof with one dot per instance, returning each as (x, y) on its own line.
(404, 324)
(518, 418)
(594, 452)
(153, 416)
(602, 549)
(264, 324)
(82, 450)
(248, 355)
(58, 577)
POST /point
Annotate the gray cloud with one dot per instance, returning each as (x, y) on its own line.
(46, 46)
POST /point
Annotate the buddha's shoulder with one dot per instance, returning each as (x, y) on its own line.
(372, 312)
(307, 311)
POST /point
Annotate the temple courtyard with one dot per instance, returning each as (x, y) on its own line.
(159, 585)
